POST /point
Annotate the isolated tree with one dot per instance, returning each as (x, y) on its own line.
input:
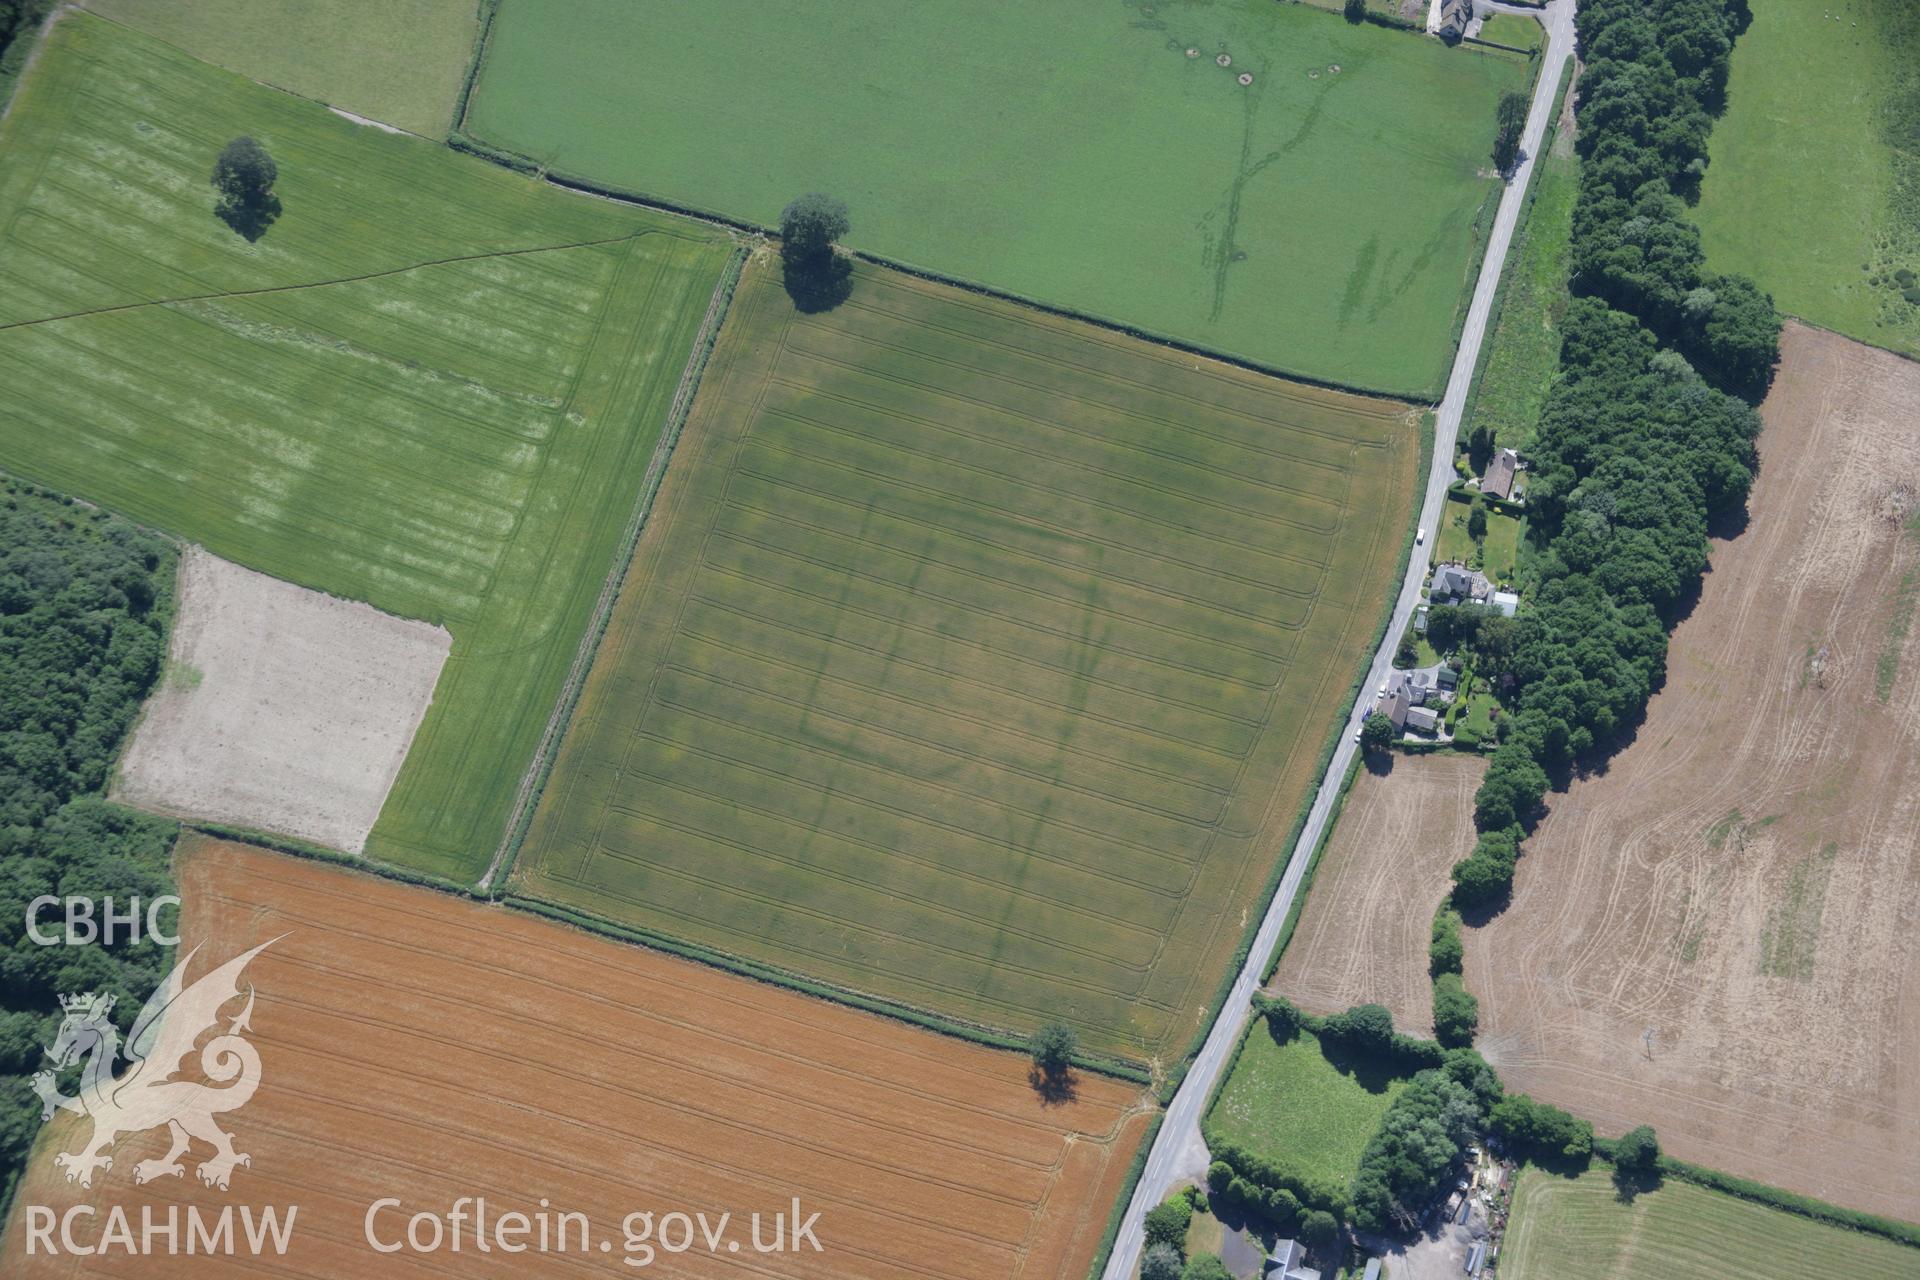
(1477, 521)
(1167, 1222)
(816, 277)
(1052, 1047)
(1376, 734)
(243, 177)
(1480, 447)
(1511, 119)
(1356, 11)
(1162, 1262)
(1638, 1151)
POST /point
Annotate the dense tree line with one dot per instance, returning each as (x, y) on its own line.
(1655, 76)
(85, 601)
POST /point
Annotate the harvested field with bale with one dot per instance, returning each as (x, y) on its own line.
(282, 709)
(418, 1046)
(1263, 180)
(432, 385)
(977, 659)
(1715, 936)
(1363, 936)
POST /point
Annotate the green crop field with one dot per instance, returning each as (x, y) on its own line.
(1324, 220)
(433, 385)
(1580, 1229)
(1299, 1107)
(1814, 189)
(397, 61)
(977, 658)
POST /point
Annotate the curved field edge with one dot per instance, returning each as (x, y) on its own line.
(940, 312)
(493, 359)
(1381, 312)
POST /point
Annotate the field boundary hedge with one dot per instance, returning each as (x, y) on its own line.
(972, 1032)
(489, 9)
(1761, 1193)
(298, 848)
(533, 782)
(1428, 438)
(1118, 1214)
(460, 140)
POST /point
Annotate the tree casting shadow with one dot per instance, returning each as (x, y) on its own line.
(817, 286)
(249, 218)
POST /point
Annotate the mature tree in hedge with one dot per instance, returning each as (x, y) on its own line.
(1486, 874)
(1445, 952)
(1206, 1266)
(1456, 1013)
(1638, 1150)
(1162, 1262)
(1511, 122)
(1376, 734)
(1540, 1129)
(1511, 792)
(1052, 1048)
(816, 277)
(1356, 10)
(243, 177)
(1367, 1027)
(1318, 1227)
(1167, 1222)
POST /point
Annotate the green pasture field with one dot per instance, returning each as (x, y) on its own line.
(401, 62)
(976, 658)
(1814, 189)
(1580, 1229)
(1523, 351)
(1301, 1105)
(433, 385)
(1321, 223)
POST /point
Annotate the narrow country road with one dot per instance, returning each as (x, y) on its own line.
(1178, 1152)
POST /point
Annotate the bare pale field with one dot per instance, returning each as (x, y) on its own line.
(1716, 936)
(423, 1047)
(1363, 936)
(284, 709)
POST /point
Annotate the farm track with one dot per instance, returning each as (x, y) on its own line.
(1714, 936)
(925, 668)
(424, 1047)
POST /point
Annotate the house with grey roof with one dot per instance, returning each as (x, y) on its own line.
(1457, 584)
(1288, 1261)
(1454, 18)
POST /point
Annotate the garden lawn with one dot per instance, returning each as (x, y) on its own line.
(1580, 1229)
(433, 385)
(401, 62)
(977, 658)
(1322, 222)
(1814, 189)
(1293, 1105)
(1514, 29)
(1523, 352)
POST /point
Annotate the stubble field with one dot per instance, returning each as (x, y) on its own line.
(1716, 936)
(1323, 219)
(432, 385)
(1363, 936)
(418, 1046)
(976, 659)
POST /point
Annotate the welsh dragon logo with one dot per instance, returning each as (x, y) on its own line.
(148, 1095)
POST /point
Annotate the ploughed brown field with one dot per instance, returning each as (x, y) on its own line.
(1363, 936)
(1717, 935)
(423, 1047)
